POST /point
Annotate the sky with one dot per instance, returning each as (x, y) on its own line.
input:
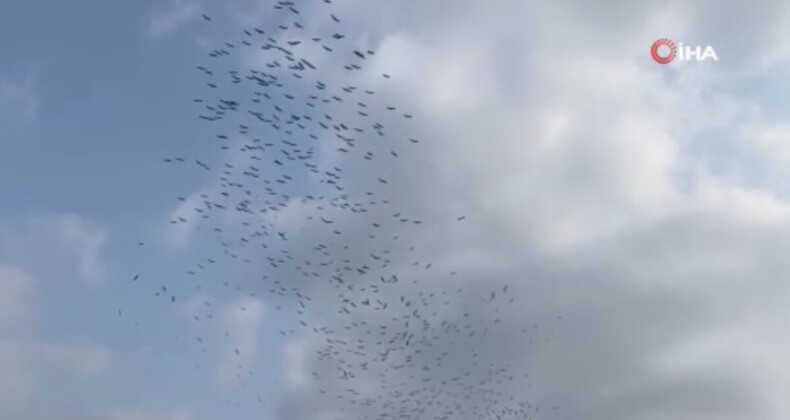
(639, 212)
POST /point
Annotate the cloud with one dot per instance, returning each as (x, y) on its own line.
(163, 22)
(28, 361)
(37, 256)
(135, 414)
(17, 291)
(565, 155)
(177, 235)
(242, 319)
(16, 299)
(178, 414)
(593, 182)
(69, 244)
(19, 98)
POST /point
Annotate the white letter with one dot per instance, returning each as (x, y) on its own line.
(696, 52)
(680, 51)
(710, 53)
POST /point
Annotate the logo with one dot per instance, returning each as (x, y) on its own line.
(664, 51)
(668, 57)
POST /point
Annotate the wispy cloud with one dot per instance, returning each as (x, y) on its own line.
(29, 362)
(69, 244)
(166, 20)
(19, 98)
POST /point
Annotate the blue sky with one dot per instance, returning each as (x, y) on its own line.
(645, 203)
(109, 102)
(108, 98)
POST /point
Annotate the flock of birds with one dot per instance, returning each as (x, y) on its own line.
(304, 200)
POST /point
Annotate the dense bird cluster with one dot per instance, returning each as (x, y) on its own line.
(303, 200)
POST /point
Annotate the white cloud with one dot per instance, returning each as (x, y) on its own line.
(16, 299)
(69, 244)
(567, 167)
(177, 234)
(33, 255)
(134, 414)
(17, 385)
(551, 129)
(86, 359)
(296, 359)
(178, 13)
(19, 98)
(242, 319)
(29, 362)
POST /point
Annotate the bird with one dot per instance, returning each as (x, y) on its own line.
(300, 199)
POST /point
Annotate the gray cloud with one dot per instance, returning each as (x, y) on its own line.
(567, 150)
(622, 308)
